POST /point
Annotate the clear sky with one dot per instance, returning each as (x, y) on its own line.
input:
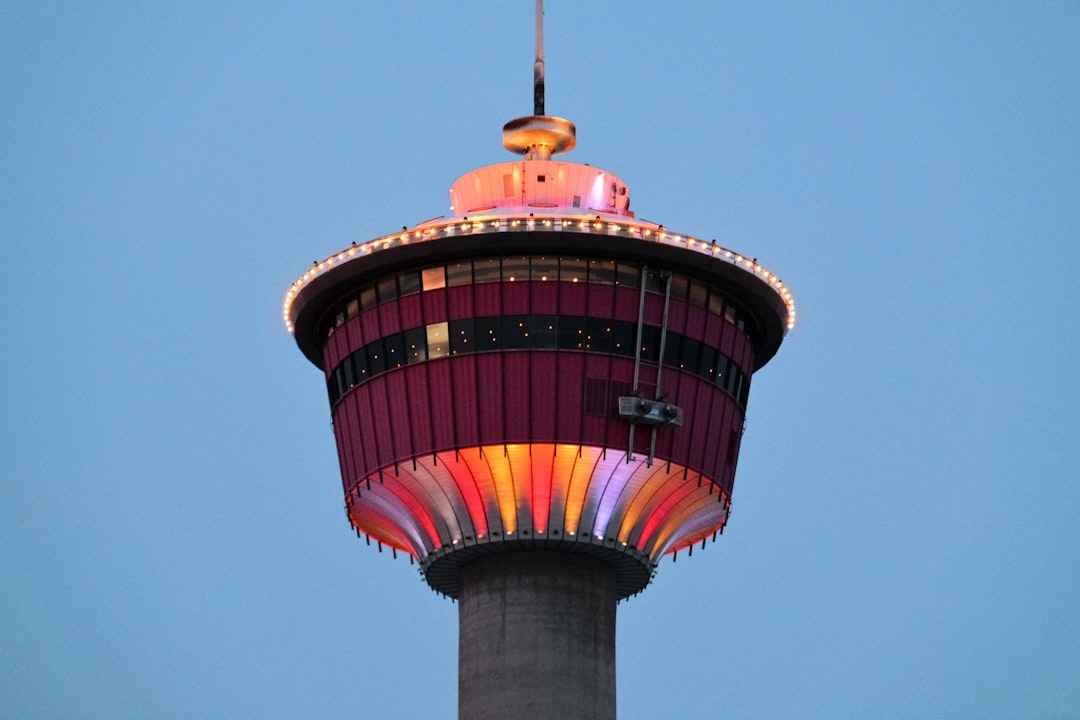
(904, 540)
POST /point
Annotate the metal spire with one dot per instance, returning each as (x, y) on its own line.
(539, 136)
(538, 66)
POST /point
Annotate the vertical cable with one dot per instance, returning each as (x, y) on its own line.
(660, 365)
(637, 353)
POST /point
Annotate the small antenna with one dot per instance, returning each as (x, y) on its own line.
(538, 66)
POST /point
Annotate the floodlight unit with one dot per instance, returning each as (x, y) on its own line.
(536, 399)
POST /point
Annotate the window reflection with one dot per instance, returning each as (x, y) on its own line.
(433, 278)
(438, 340)
(409, 283)
(459, 274)
(488, 270)
(544, 269)
(602, 272)
(515, 269)
(574, 270)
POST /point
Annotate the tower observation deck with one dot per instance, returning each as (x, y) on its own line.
(536, 399)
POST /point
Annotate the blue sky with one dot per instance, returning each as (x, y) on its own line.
(903, 541)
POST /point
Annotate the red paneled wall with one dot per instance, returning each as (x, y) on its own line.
(521, 396)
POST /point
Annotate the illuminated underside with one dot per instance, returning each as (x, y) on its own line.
(540, 494)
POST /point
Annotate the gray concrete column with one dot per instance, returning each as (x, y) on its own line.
(537, 637)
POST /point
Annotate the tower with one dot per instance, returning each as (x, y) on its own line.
(536, 399)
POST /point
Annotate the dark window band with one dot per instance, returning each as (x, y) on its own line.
(534, 332)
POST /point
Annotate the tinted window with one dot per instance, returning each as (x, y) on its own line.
(716, 303)
(376, 357)
(415, 345)
(359, 359)
(459, 274)
(650, 343)
(515, 269)
(409, 283)
(698, 294)
(573, 270)
(627, 275)
(597, 335)
(333, 386)
(623, 338)
(488, 333)
(542, 332)
(515, 332)
(438, 340)
(655, 282)
(348, 375)
(487, 270)
(387, 288)
(672, 348)
(367, 298)
(395, 350)
(722, 369)
(545, 268)
(680, 287)
(433, 278)
(602, 272)
(571, 332)
(688, 354)
(732, 382)
(706, 366)
(462, 336)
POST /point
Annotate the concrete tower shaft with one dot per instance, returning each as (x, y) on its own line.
(537, 638)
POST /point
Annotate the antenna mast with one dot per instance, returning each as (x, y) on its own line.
(539, 136)
(538, 66)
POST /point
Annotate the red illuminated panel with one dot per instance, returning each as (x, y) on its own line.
(689, 519)
(469, 490)
(577, 493)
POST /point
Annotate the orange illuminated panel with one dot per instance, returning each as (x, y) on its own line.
(562, 470)
(521, 474)
(578, 493)
(543, 457)
(578, 487)
(499, 467)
